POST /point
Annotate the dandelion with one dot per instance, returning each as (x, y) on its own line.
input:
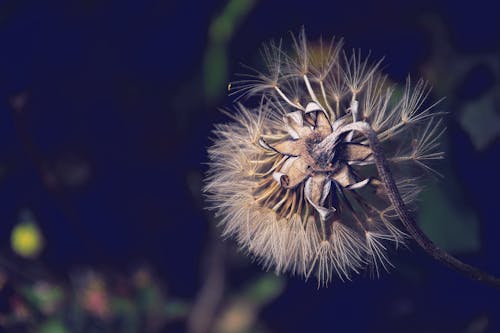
(316, 178)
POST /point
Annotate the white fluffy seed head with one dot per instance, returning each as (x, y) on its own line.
(296, 191)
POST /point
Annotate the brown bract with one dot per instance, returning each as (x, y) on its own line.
(311, 161)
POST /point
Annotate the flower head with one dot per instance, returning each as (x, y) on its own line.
(292, 180)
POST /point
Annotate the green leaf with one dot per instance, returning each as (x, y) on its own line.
(215, 70)
(176, 309)
(264, 289)
(450, 224)
(481, 122)
(52, 326)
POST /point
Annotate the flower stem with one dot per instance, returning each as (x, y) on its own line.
(392, 191)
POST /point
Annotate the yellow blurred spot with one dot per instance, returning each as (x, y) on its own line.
(26, 240)
(229, 87)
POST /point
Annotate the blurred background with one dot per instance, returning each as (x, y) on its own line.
(106, 109)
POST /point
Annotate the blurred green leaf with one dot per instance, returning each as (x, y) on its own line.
(240, 315)
(223, 26)
(150, 298)
(215, 71)
(43, 296)
(52, 326)
(264, 289)
(481, 122)
(127, 312)
(221, 30)
(176, 309)
(451, 225)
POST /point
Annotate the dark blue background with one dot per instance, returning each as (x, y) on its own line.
(118, 85)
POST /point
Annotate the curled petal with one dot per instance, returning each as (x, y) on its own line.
(316, 190)
(358, 185)
(265, 145)
(356, 152)
(312, 107)
(289, 147)
(294, 123)
(340, 122)
(280, 178)
(323, 126)
(296, 170)
(344, 176)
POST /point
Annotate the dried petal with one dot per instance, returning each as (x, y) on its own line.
(323, 126)
(265, 145)
(344, 176)
(358, 185)
(294, 123)
(280, 178)
(296, 170)
(356, 152)
(289, 147)
(316, 190)
(312, 107)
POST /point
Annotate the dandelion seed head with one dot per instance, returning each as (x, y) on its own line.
(293, 185)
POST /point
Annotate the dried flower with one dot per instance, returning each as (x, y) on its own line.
(294, 182)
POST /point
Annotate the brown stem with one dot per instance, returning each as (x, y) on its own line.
(425, 243)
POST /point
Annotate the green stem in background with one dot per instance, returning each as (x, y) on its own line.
(220, 32)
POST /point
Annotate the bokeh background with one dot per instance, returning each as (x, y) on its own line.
(106, 108)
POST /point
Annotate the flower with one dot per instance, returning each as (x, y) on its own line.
(293, 181)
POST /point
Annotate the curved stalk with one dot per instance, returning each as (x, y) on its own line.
(411, 226)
